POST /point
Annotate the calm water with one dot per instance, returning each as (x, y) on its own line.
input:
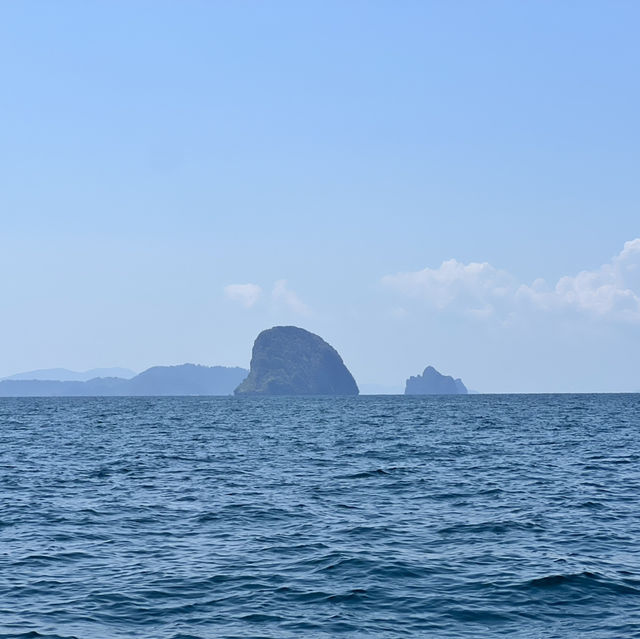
(180, 518)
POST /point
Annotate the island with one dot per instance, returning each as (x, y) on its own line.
(185, 379)
(431, 382)
(287, 360)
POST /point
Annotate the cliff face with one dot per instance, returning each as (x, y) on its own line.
(431, 382)
(287, 360)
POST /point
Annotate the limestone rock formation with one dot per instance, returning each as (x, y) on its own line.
(287, 360)
(431, 382)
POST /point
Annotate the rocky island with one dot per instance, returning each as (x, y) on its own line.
(287, 360)
(431, 382)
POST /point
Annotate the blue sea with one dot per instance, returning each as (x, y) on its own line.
(367, 517)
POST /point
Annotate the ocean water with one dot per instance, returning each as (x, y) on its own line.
(377, 517)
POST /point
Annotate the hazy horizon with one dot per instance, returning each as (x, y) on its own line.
(419, 184)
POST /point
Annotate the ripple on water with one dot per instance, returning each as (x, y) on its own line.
(201, 518)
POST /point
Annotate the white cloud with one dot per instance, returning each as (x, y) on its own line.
(611, 291)
(476, 287)
(283, 295)
(245, 294)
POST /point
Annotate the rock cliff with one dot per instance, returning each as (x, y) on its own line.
(431, 382)
(287, 360)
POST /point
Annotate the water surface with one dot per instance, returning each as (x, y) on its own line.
(202, 518)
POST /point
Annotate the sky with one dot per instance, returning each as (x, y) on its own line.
(421, 183)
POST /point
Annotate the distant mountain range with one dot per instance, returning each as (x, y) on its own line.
(65, 375)
(286, 360)
(186, 379)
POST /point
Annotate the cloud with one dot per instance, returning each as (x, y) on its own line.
(611, 291)
(245, 294)
(477, 288)
(283, 295)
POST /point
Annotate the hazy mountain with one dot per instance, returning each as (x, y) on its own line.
(65, 375)
(187, 379)
(54, 388)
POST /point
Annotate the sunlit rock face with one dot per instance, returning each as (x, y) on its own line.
(287, 360)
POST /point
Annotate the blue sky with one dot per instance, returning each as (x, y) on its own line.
(354, 163)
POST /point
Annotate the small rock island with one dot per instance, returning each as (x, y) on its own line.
(431, 382)
(287, 360)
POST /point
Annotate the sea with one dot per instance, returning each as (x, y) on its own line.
(363, 517)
